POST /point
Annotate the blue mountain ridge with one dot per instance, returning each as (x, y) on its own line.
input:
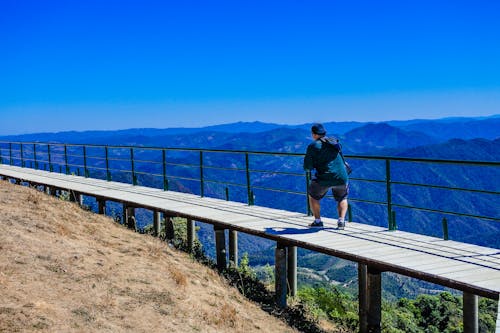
(416, 139)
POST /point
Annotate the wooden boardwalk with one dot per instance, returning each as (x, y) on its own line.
(470, 268)
(465, 267)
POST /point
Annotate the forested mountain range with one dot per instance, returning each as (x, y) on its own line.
(469, 139)
(429, 131)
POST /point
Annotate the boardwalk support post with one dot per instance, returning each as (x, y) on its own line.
(363, 297)
(156, 223)
(101, 206)
(169, 227)
(280, 273)
(292, 271)
(470, 318)
(79, 199)
(498, 315)
(374, 300)
(129, 216)
(220, 247)
(233, 248)
(191, 230)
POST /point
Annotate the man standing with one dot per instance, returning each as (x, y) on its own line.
(324, 156)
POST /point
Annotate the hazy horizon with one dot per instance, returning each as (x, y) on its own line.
(250, 122)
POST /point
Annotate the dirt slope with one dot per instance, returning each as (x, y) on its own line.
(63, 269)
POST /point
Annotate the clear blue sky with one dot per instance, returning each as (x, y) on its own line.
(101, 64)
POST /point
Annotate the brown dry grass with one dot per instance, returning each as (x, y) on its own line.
(63, 269)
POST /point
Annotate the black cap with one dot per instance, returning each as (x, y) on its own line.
(318, 129)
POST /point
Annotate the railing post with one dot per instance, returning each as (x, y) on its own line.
(445, 228)
(108, 175)
(134, 178)
(66, 159)
(249, 191)
(349, 212)
(85, 170)
(202, 193)
(51, 167)
(392, 222)
(10, 152)
(34, 156)
(165, 181)
(388, 190)
(227, 194)
(22, 156)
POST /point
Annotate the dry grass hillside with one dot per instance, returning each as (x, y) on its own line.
(63, 269)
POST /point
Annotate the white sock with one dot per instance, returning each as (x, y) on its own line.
(317, 220)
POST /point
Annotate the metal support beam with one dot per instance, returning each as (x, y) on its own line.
(220, 248)
(233, 248)
(363, 297)
(101, 206)
(191, 230)
(292, 270)
(471, 323)
(156, 223)
(280, 273)
(374, 300)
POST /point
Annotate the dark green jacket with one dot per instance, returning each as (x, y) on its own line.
(328, 163)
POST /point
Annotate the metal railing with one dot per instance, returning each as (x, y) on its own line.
(390, 183)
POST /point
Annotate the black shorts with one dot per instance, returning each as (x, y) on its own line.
(318, 191)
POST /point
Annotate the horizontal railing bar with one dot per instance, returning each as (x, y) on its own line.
(445, 187)
(366, 201)
(185, 178)
(447, 212)
(146, 161)
(222, 168)
(187, 165)
(369, 180)
(278, 172)
(225, 183)
(277, 190)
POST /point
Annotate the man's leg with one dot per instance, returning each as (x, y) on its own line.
(342, 208)
(315, 207)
